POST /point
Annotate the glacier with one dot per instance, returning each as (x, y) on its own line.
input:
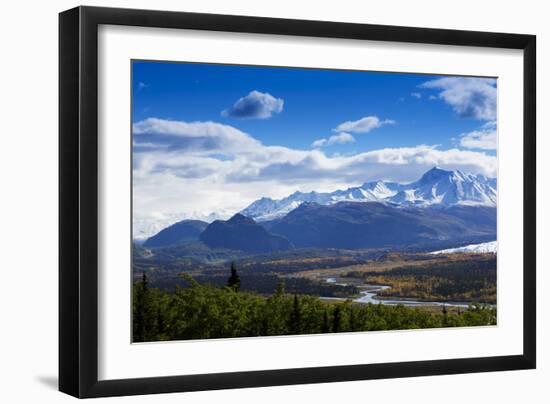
(490, 247)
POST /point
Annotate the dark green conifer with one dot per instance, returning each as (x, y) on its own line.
(336, 319)
(234, 281)
(140, 310)
(280, 287)
(295, 317)
(326, 322)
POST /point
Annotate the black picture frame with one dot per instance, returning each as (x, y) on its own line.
(78, 201)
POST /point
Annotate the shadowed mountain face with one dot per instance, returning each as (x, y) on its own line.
(374, 225)
(181, 231)
(244, 234)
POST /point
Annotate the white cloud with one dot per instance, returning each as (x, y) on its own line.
(195, 168)
(484, 138)
(432, 97)
(479, 140)
(340, 138)
(363, 125)
(319, 143)
(416, 95)
(230, 154)
(255, 105)
(396, 164)
(469, 97)
(198, 136)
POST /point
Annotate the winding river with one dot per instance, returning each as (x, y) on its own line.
(369, 295)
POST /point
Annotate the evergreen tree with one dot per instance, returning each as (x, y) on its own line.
(352, 319)
(326, 322)
(295, 317)
(264, 328)
(336, 319)
(205, 311)
(140, 310)
(161, 324)
(280, 287)
(445, 318)
(234, 281)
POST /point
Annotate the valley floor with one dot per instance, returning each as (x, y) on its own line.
(311, 291)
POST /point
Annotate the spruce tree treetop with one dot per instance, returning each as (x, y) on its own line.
(234, 281)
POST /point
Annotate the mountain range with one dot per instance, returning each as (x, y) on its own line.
(352, 225)
(442, 207)
(437, 187)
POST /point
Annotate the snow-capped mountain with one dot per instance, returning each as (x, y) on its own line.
(436, 187)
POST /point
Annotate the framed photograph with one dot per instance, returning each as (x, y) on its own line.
(251, 201)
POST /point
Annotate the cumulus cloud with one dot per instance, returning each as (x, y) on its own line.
(396, 164)
(228, 153)
(192, 136)
(416, 95)
(319, 143)
(363, 125)
(484, 138)
(255, 105)
(469, 97)
(340, 138)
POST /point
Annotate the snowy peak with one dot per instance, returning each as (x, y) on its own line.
(436, 174)
(444, 187)
(437, 186)
(268, 209)
(381, 190)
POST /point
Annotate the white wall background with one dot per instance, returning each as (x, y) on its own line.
(28, 199)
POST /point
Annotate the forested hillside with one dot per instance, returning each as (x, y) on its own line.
(204, 311)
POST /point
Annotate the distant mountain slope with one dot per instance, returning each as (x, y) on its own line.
(374, 225)
(436, 187)
(176, 233)
(144, 227)
(243, 234)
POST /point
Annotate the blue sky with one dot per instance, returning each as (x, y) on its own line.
(210, 139)
(315, 102)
